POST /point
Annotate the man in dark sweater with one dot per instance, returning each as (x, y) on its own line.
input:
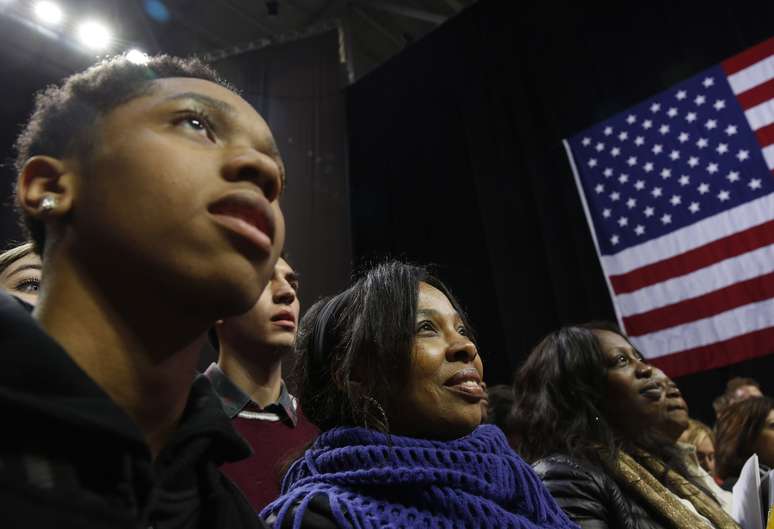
(248, 379)
(151, 191)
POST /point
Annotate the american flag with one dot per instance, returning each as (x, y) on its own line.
(679, 194)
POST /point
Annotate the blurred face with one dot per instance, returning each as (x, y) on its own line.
(764, 443)
(638, 395)
(442, 397)
(705, 453)
(184, 187)
(22, 278)
(744, 393)
(272, 322)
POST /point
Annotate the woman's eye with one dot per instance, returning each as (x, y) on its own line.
(425, 326)
(621, 360)
(28, 286)
(462, 331)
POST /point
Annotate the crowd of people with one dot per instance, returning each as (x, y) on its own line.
(151, 194)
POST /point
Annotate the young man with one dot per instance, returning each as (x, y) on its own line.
(248, 379)
(151, 192)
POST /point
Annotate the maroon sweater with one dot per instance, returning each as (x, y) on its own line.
(274, 445)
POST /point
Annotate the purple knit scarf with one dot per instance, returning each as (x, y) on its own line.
(370, 482)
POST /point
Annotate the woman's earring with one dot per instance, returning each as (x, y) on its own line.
(47, 204)
(374, 402)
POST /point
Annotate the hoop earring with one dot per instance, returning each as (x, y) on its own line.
(374, 402)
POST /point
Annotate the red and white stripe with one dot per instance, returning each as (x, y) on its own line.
(703, 296)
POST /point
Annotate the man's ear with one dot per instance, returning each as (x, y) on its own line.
(44, 179)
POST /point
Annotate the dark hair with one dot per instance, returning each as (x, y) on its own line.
(64, 120)
(738, 427)
(500, 405)
(355, 346)
(732, 385)
(559, 406)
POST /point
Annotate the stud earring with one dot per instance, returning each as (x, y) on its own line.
(47, 204)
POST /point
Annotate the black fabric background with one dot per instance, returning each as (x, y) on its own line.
(456, 154)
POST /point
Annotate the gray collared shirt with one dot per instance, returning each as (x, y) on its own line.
(236, 403)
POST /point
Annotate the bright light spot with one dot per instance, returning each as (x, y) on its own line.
(136, 56)
(49, 13)
(94, 35)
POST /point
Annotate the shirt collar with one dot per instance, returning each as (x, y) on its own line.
(234, 400)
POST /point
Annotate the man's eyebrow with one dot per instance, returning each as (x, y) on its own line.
(208, 101)
(24, 268)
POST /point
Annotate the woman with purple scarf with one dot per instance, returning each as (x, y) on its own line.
(390, 372)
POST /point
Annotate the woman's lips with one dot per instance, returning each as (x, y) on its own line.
(466, 382)
(653, 391)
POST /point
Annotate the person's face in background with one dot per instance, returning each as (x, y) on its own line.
(744, 393)
(764, 443)
(272, 323)
(21, 278)
(638, 395)
(705, 453)
(443, 393)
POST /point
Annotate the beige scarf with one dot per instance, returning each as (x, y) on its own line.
(639, 477)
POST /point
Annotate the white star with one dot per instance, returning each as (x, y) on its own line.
(666, 218)
(712, 168)
(631, 118)
(708, 81)
(599, 188)
(755, 183)
(672, 112)
(608, 130)
(743, 155)
(655, 107)
(615, 151)
(593, 162)
(690, 117)
(724, 195)
(684, 180)
(607, 172)
(711, 124)
(703, 188)
(681, 95)
(719, 104)
(674, 155)
(639, 185)
(639, 140)
(663, 129)
(675, 200)
(623, 221)
(731, 130)
(657, 149)
(639, 229)
(722, 148)
(648, 167)
(606, 213)
(693, 161)
(631, 203)
(666, 173)
(614, 196)
(699, 100)
(586, 141)
(632, 161)
(733, 176)
(647, 124)
(683, 137)
(599, 146)
(701, 143)
(614, 240)
(623, 178)
(656, 192)
(694, 207)
(623, 135)
(648, 212)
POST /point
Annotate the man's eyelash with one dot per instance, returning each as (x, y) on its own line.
(200, 115)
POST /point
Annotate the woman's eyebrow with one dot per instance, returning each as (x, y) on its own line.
(23, 268)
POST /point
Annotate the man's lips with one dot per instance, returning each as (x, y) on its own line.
(248, 214)
(466, 381)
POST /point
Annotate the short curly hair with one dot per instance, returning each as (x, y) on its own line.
(65, 116)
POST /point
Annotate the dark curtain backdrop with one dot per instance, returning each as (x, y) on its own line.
(456, 156)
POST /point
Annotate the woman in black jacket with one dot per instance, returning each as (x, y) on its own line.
(601, 426)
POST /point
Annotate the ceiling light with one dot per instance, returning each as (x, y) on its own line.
(49, 13)
(136, 56)
(94, 35)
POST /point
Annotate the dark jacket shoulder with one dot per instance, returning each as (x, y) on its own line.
(591, 497)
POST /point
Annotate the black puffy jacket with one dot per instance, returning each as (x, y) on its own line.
(592, 498)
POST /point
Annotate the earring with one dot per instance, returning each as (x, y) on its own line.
(47, 204)
(385, 423)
